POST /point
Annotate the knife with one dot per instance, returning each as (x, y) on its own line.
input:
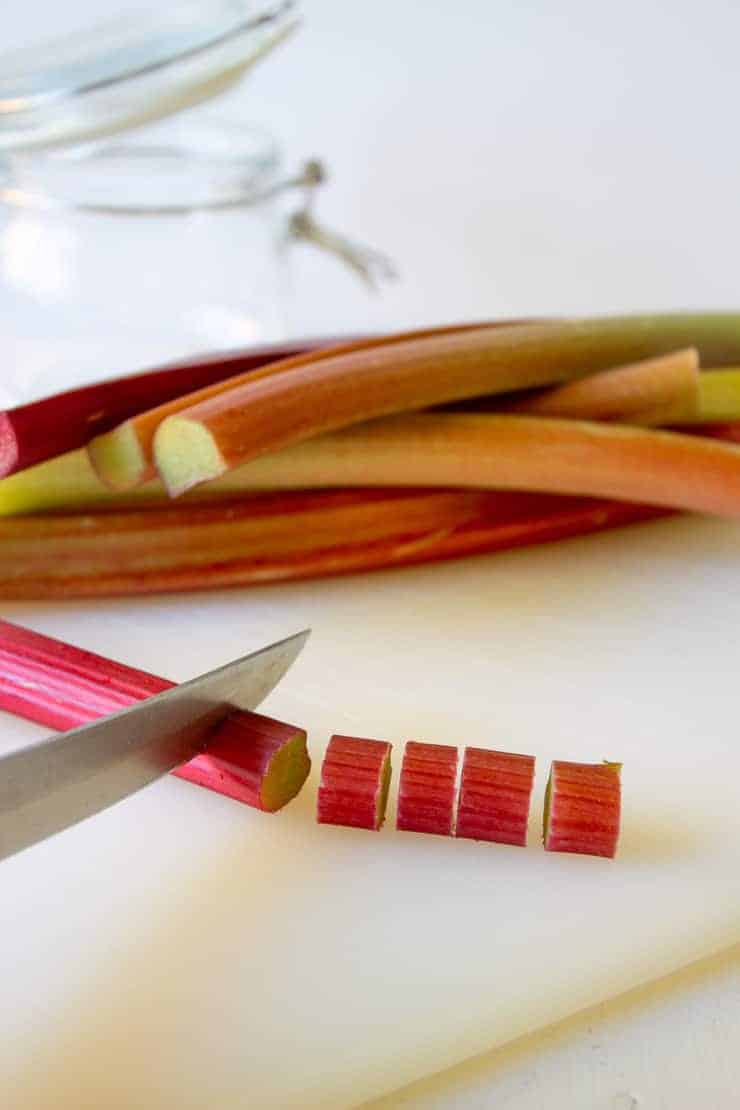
(50, 785)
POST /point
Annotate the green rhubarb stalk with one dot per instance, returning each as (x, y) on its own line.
(719, 398)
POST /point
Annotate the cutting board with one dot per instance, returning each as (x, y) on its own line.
(182, 951)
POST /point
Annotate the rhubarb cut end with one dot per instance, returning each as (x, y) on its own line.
(288, 770)
(546, 810)
(186, 454)
(385, 782)
(118, 459)
(8, 446)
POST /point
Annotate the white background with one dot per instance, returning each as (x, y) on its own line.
(514, 160)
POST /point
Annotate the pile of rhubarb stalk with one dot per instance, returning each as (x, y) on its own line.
(322, 458)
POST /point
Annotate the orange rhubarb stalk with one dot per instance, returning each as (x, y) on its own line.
(583, 808)
(335, 390)
(426, 788)
(355, 777)
(273, 538)
(123, 458)
(495, 793)
(656, 467)
(644, 392)
(253, 759)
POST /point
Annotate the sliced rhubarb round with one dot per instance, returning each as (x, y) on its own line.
(426, 791)
(495, 793)
(355, 777)
(583, 808)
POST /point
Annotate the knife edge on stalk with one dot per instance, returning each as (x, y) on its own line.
(53, 784)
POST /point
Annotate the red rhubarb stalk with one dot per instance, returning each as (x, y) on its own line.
(583, 808)
(54, 425)
(253, 759)
(426, 788)
(355, 777)
(495, 793)
(281, 538)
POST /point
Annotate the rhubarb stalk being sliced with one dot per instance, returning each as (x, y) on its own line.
(51, 426)
(333, 390)
(426, 788)
(355, 777)
(253, 759)
(279, 538)
(495, 793)
(583, 808)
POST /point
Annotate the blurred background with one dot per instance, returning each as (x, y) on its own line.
(510, 160)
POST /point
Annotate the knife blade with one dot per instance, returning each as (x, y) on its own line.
(50, 785)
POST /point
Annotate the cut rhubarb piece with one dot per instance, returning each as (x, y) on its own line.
(355, 777)
(583, 808)
(253, 759)
(426, 789)
(51, 426)
(495, 793)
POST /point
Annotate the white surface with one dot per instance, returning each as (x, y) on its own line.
(669, 1046)
(371, 960)
(515, 161)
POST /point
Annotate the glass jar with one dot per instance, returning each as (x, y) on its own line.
(138, 224)
(121, 253)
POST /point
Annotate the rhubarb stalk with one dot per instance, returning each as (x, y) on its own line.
(253, 759)
(355, 777)
(123, 457)
(719, 398)
(280, 538)
(632, 394)
(495, 793)
(51, 426)
(583, 808)
(426, 788)
(334, 390)
(656, 467)
(640, 392)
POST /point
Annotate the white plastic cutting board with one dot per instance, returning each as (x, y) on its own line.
(183, 951)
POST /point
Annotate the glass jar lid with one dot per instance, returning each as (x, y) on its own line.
(136, 69)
